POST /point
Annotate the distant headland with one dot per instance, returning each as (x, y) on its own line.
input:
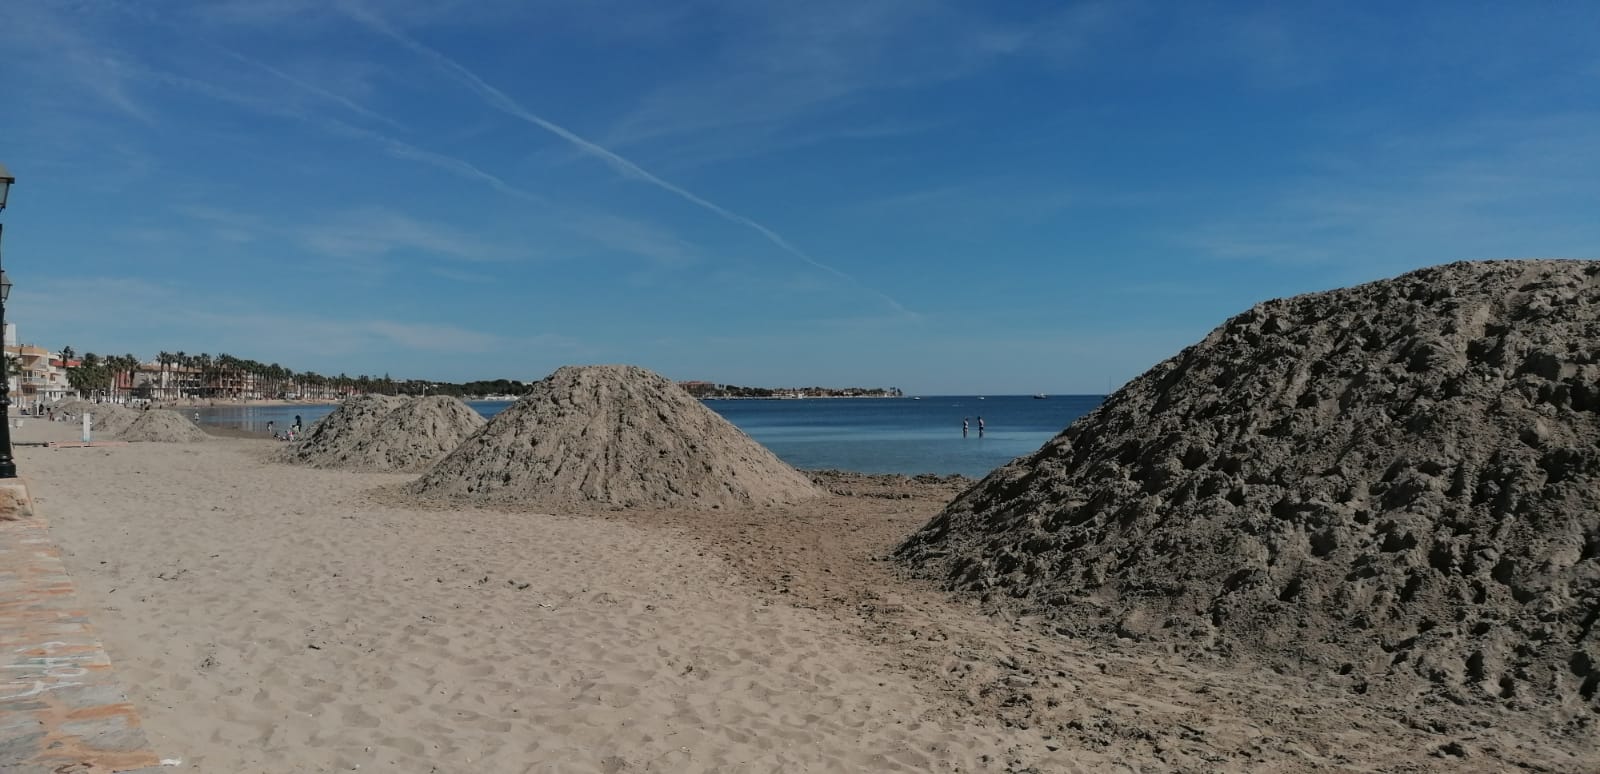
(712, 390)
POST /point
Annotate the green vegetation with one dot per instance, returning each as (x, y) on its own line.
(225, 377)
(464, 390)
(221, 377)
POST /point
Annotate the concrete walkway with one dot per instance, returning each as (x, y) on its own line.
(61, 708)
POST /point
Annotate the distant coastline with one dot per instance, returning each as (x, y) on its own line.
(795, 397)
(713, 390)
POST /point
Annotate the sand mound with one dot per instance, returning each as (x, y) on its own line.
(163, 427)
(617, 435)
(352, 436)
(410, 438)
(108, 418)
(1394, 480)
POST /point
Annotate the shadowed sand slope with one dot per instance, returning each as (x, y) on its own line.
(1392, 481)
(616, 435)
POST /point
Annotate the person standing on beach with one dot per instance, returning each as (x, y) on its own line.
(980, 427)
(270, 430)
(963, 427)
(297, 423)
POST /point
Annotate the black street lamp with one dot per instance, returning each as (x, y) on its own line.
(8, 465)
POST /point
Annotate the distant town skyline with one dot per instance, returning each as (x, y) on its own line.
(42, 376)
(946, 197)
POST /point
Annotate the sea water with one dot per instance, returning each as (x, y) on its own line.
(904, 435)
(865, 435)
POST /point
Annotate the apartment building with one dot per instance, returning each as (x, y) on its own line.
(35, 376)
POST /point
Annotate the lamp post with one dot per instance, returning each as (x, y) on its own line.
(8, 466)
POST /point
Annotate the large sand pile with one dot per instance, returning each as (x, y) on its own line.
(617, 435)
(378, 432)
(1396, 479)
(162, 426)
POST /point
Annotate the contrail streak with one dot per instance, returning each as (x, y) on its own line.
(390, 145)
(504, 103)
(311, 87)
(147, 16)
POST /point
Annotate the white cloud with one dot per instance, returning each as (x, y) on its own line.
(782, 67)
(1496, 188)
(661, 247)
(115, 314)
(376, 231)
(59, 56)
(432, 338)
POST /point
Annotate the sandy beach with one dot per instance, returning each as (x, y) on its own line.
(269, 618)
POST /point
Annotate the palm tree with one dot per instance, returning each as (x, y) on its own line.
(161, 365)
(258, 377)
(202, 362)
(88, 377)
(114, 367)
(225, 366)
(274, 376)
(13, 370)
(80, 378)
(169, 383)
(312, 385)
(133, 364)
(180, 361)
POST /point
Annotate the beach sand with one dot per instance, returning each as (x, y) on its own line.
(268, 618)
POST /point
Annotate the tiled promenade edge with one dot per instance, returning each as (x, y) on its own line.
(61, 708)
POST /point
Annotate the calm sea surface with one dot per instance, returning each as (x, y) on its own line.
(867, 435)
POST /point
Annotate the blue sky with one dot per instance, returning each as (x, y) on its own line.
(944, 196)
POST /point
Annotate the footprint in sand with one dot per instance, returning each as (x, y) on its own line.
(403, 744)
(314, 701)
(355, 715)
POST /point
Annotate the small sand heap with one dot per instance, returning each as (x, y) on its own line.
(379, 432)
(107, 419)
(617, 435)
(328, 441)
(162, 426)
(1393, 481)
(413, 436)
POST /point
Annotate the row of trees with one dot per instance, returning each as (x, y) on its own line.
(463, 390)
(179, 374)
(96, 374)
(224, 376)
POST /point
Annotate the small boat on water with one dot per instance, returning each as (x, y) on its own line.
(1040, 396)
